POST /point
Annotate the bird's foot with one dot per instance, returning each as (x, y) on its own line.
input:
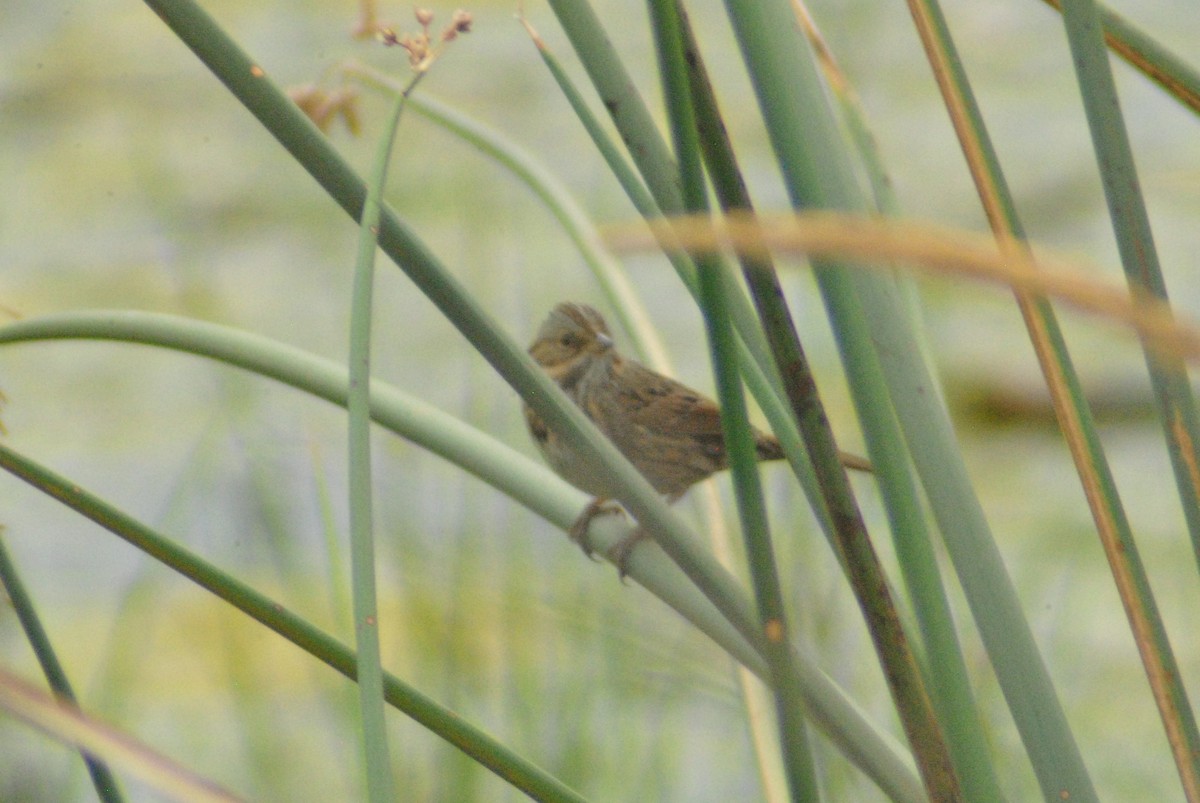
(579, 530)
(619, 552)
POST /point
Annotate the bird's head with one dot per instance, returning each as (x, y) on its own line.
(570, 336)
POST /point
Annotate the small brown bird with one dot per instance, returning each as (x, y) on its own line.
(671, 433)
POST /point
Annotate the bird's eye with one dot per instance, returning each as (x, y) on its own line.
(567, 341)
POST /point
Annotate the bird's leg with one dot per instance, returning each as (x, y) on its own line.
(599, 506)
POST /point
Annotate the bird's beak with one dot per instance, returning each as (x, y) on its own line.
(604, 340)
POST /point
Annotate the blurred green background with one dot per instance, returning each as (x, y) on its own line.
(129, 178)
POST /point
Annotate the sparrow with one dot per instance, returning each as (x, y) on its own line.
(669, 432)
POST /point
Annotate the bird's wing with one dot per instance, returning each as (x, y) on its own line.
(660, 404)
